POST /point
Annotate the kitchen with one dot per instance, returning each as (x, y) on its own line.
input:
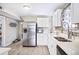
(56, 30)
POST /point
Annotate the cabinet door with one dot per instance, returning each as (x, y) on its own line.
(57, 18)
(41, 39)
(75, 12)
(1, 19)
(43, 22)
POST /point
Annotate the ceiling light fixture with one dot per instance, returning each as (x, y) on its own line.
(27, 7)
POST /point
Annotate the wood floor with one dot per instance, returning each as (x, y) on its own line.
(18, 49)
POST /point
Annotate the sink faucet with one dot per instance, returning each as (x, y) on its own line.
(69, 32)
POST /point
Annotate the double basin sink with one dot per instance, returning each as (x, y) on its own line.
(61, 39)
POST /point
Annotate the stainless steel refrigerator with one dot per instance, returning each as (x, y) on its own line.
(30, 34)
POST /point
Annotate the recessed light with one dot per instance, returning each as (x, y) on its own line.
(26, 7)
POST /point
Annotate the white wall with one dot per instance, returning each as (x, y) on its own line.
(20, 30)
(10, 33)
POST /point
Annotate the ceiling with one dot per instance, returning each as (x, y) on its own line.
(36, 8)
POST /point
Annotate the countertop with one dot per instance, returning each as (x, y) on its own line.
(75, 31)
(3, 50)
(71, 48)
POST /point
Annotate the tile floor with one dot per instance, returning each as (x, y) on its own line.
(18, 49)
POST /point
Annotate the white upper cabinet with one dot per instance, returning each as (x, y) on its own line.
(75, 12)
(57, 17)
(29, 18)
(43, 22)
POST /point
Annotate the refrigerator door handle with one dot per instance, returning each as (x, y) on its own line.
(22, 36)
(25, 30)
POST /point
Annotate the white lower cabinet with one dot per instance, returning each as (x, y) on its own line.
(52, 49)
(52, 46)
(41, 39)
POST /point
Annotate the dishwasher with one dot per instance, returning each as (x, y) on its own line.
(60, 51)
